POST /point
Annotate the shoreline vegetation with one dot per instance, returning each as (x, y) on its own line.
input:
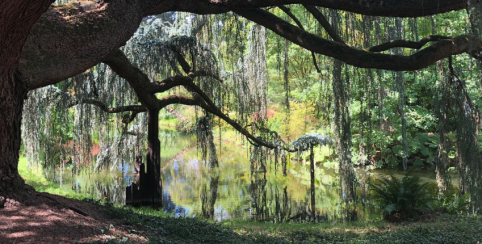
(145, 225)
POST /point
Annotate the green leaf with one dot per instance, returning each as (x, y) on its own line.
(379, 164)
(317, 182)
(397, 150)
(425, 151)
(392, 161)
(418, 162)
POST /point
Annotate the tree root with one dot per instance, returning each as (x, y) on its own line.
(66, 206)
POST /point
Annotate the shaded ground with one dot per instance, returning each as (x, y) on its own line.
(46, 218)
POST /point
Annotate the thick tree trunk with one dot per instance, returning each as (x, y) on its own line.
(16, 19)
(154, 158)
(147, 191)
(13, 92)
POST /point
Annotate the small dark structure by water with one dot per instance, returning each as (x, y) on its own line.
(149, 190)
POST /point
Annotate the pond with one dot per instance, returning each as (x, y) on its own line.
(235, 190)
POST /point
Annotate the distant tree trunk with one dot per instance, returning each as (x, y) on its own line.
(343, 134)
(312, 174)
(442, 161)
(16, 19)
(468, 152)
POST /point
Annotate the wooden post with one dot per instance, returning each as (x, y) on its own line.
(312, 174)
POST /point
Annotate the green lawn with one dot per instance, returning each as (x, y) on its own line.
(33, 176)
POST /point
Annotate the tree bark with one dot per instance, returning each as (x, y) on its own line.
(13, 92)
(69, 39)
(16, 19)
(387, 8)
(154, 159)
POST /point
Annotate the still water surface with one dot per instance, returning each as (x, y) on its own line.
(235, 191)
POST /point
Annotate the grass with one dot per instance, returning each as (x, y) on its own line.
(168, 124)
(34, 177)
(164, 228)
(167, 229)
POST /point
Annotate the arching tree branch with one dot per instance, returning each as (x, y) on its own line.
(135, 109)
(182, 61)
(388, 8)
(129, 118)
(291, 15)
(362, 58)
(139, 81)
(144, 90)
(205, 73)
(171, 82)
(47, 56)
(210, 107)
(407, 44)
(192, 72)
(107, 109)
(178, 99)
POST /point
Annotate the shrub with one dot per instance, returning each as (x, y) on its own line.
(401, 196)
(454, 203)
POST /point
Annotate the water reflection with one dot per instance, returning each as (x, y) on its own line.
(257, 189)
(209, 194)
(239, 188)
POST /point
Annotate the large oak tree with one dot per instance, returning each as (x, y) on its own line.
(42, 45)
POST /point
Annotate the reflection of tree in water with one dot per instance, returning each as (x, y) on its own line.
(170, 207)
(269, 200)
(266, 205)
(208, 197)
(257, 189)
(283, 207)
(114, 191)
(206, 142)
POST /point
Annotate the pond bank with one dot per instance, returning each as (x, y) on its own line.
(107, 223)
(52, 222)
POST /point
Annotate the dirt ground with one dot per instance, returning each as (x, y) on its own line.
(46, 218)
